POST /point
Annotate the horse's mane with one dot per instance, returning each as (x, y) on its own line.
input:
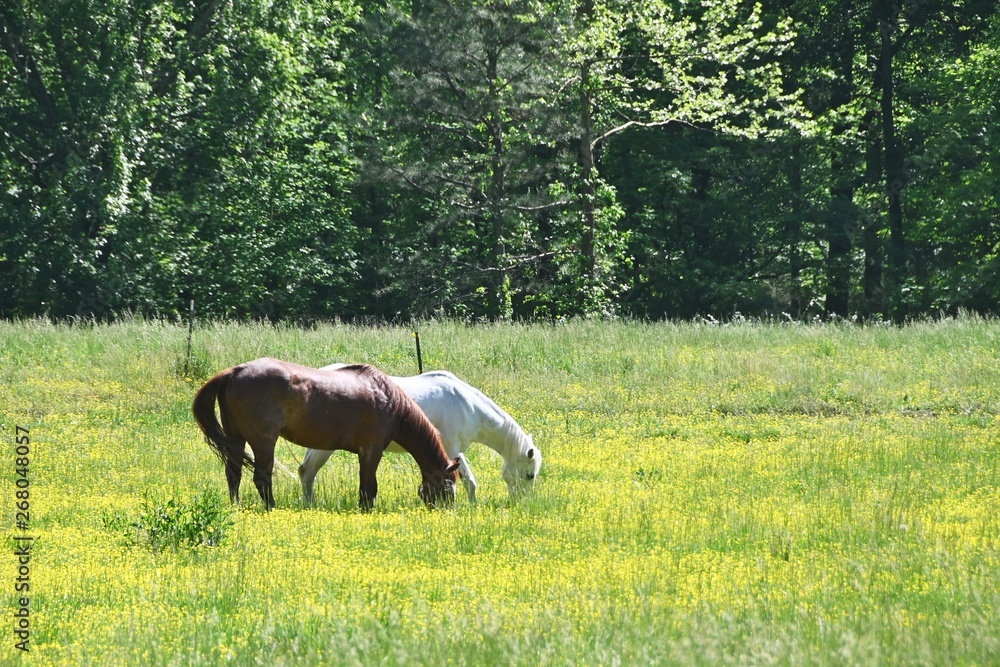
(413, 423)
(366, 370)
(516, 437)
(514, 433)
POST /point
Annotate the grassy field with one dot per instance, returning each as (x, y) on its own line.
(748, 494)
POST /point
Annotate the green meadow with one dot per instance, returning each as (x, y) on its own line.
(753, 494)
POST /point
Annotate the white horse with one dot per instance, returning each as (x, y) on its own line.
(463, 415)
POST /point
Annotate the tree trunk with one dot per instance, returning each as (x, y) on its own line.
(498, 189)
(793, 230)
(894, 169)
(842, 217)
(838, 260)
(589, 196)
(872, 224)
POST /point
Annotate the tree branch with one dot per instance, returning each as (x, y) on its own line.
(635, 123)
(514, 262)
(540, 207)
(419, 187)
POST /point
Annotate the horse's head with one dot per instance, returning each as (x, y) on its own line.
(521, 470)
(438, 487)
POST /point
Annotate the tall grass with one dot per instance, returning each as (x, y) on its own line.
(753, 494)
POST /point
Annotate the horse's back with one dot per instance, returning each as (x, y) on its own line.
(459, 411)
(268, 381)
(297, 379)
(258, 393)
(265, 371)
(312, 408)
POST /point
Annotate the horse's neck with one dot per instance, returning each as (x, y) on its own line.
(483, 421)
(414, 432)
(424, 450)
(498, 431)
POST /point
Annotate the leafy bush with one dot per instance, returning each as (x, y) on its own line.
(175, 524)
(195, 364)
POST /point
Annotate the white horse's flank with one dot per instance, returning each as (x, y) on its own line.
(463, 415)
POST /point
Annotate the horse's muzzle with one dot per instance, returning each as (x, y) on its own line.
(435, 498)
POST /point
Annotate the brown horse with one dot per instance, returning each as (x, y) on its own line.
(356, 408)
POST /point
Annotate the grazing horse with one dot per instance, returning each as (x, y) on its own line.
(355, 408)
(463, 415)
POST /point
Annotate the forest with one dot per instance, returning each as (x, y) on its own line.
(488, 160)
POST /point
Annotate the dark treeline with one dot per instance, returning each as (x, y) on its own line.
(499, 159)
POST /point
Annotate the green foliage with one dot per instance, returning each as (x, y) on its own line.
(498, 160)
(192, 151)
(174, 524)
(196, 365)
(476, 138)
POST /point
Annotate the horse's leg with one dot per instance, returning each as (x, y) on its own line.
(369, 459)
(263, 468)
(468, 479)
(454, 450)
(313, 461)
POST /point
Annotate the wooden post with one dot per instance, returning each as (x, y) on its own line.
(187, 357)
(420, 360)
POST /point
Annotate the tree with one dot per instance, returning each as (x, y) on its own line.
(713, 67)
(252, 219)
(70, 103)
(498, 158)
(474, 147)
(159, 151)
(952, 168)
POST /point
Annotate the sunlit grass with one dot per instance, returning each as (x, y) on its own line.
(760, 494)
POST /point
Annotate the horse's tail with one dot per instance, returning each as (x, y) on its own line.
(203, 407)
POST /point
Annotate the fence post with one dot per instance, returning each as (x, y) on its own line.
(187, 357)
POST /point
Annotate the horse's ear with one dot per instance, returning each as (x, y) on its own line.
(453, 466)
(531, 453)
